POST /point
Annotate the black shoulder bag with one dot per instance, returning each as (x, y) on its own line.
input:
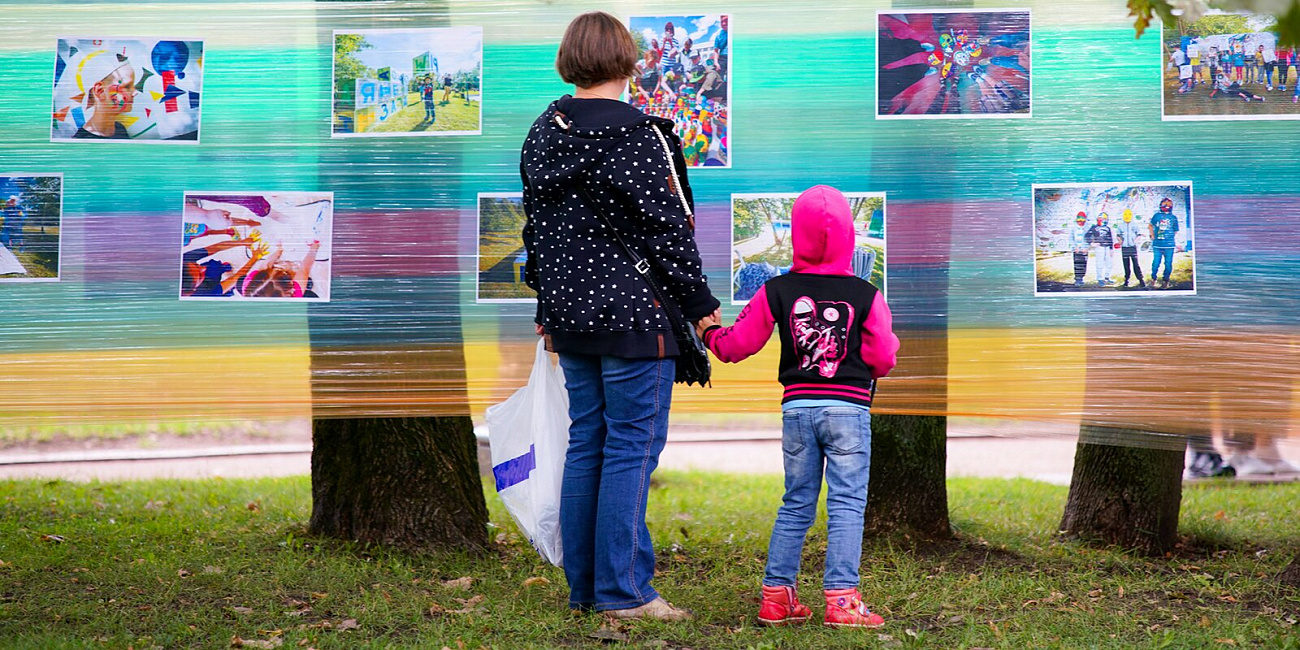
(693, 365)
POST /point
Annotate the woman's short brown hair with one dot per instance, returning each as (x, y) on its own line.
(596, 48)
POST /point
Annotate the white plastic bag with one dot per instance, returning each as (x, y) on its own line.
(529, 436)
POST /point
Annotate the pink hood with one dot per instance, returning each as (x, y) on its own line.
(822, 230)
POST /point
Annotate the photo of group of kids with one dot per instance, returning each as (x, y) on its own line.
(396, 82)
(1087, 235)
(683, 73)
(31, 210)
(761, 248)
(127, 89)
(1228, 66)
(953, 64)
(273, 246)
(501, 254)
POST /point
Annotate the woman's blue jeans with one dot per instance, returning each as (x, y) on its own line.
(619, 408)
(838, 438)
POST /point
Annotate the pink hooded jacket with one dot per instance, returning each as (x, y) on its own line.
(822, 228)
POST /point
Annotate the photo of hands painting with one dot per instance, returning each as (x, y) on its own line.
(385, 187)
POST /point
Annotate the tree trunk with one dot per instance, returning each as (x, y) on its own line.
(406, 482)
(1290, 576)
(908, 492)
(394, 459)
(1126, 489)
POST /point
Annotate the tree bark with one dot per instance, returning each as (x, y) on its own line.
(1290, 576)
(406, 482)
(1126, 489)
(908, 491)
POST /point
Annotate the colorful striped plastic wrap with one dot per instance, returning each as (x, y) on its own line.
(259, 210)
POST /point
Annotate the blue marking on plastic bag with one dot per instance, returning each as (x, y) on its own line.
(515, 470)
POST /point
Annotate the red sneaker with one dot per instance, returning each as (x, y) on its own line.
(782, 607)
(844, 608)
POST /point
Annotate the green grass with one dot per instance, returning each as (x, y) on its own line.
(25, 436)
(180, 564)
(454, 115)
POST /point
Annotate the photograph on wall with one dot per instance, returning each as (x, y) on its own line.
(127, 89)
(399, 82)
(683, 73)
(31, 214)
(501, 255)
(950, 64)
(256, 246)
(1227, 66)
(761, 248)
(1113, 239)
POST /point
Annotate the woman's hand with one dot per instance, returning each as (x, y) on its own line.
(538, 328)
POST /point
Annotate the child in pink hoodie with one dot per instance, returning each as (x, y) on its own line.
(836, 340)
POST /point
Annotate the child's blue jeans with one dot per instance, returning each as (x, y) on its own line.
(838, 438)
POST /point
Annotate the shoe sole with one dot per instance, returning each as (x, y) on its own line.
(783, 622)
(871, 627)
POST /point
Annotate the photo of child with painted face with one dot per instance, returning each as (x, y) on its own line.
(1073, 229)
(256, 246)
(124, 89)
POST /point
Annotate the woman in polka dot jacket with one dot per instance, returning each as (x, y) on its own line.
(614, 340)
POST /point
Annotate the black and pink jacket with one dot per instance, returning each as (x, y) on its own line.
(836, 330)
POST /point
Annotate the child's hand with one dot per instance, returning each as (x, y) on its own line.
(708, 321)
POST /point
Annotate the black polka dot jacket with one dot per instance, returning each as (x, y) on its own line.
(590, 299)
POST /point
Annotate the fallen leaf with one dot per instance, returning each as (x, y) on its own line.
(243, 610)
(1095, 593)
(57, 539)
(156, 505)
(212, 569)
(1220, 515)
(1226, 641)
(536, 580)
(183, 573)
(606, 634)
(319, 595)
(458, 583)
(255, 506)
(267, 644)
(349, 624)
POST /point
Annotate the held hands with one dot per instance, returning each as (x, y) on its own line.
(708, 321)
